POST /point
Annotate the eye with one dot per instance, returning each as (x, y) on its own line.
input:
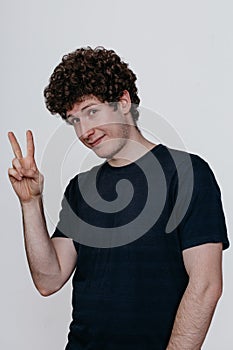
(73, 121)
(92, 111)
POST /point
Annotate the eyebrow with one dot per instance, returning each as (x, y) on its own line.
(89, 105)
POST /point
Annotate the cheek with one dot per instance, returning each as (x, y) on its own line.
(77, 131)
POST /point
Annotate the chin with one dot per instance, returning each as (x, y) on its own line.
(109, 150)
(105, 153)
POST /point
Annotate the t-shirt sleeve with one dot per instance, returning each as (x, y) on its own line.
(62, 215)
(204, 220)
(64, 226)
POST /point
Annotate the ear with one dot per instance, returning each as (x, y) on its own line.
(125, 102)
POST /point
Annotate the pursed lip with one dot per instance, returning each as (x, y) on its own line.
(96, 142)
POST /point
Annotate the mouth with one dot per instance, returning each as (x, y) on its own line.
(96, 142)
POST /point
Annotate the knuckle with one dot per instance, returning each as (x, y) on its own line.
(15, 163)
(12, 172)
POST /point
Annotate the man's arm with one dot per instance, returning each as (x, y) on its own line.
(204, 267)
(51, 262)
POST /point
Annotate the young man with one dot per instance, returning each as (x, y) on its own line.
(135, 286)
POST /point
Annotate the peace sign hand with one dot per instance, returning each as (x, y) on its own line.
(25, 178)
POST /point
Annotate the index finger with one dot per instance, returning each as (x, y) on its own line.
(30, 144)
(15, 145)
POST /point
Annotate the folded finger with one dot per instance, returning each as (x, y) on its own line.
(14, 175)
(30, 173)
(17, 165)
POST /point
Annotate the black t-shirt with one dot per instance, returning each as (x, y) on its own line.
(126, 296)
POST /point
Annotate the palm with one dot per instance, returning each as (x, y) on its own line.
(27, 187)
(25, 177)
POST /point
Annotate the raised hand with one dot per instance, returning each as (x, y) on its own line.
(24, 175)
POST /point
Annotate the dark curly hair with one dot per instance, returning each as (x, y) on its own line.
(86, 71)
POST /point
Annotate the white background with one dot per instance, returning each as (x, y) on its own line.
(182, 53)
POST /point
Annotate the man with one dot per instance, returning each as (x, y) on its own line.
(141, 285)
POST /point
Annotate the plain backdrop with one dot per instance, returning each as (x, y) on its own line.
(182, 53)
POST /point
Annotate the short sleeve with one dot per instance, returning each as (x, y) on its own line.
(64, 225)
(204, 220)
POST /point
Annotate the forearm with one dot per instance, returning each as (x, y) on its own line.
(41, 255)
(193, 318)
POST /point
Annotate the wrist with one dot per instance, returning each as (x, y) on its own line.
(31, 202)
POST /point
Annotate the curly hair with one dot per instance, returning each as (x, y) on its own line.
(85, 72)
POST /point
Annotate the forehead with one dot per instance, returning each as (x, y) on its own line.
(84, 103)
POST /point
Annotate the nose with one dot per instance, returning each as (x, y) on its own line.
(85, 129)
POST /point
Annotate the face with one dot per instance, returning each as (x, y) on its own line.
(99, 127)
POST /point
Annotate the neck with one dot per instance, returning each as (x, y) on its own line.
(136, 146)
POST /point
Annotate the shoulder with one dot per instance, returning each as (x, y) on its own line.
(190, 166)
(183, 167)
(82, 179)
(185, 158)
